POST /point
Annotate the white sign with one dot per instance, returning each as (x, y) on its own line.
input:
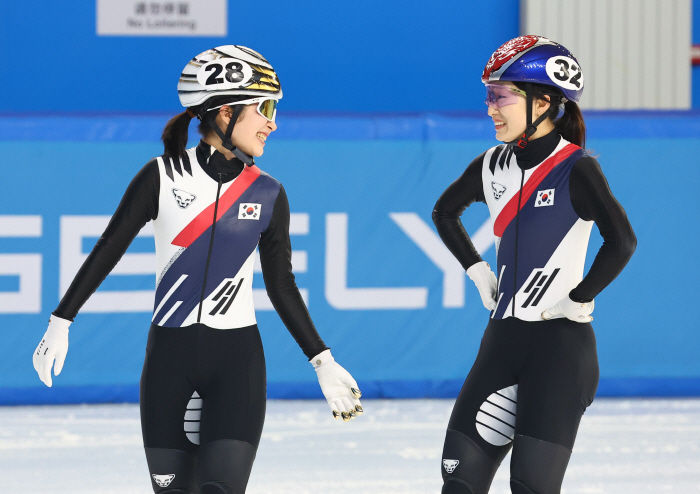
(162, 18)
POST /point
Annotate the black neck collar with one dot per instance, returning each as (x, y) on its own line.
(536, 150)
(216, 165)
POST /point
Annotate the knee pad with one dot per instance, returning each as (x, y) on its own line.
(466, 468)
(537, 466)
(224, 466)
(172, 471)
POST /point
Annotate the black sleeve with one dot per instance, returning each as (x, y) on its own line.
(138, 206)
(463, 192)
(276, 260)
(592, 200)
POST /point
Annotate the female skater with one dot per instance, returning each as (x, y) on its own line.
(537, 368)
(211, 207)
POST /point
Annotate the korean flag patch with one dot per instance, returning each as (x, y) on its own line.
(544, 198)
(249, 211)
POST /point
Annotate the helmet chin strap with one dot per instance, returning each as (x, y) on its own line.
(226, 139)
(531, 126)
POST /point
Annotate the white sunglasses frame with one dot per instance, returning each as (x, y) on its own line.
(250, 101)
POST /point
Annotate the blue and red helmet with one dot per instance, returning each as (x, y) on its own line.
(539, 60)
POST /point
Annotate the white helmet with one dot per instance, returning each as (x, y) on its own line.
(227, 70)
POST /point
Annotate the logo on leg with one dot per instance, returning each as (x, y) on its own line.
(450, 465)
(192, 417)
(495, 420)
(163, 480)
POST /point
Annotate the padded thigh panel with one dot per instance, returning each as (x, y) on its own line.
(537, 466)
(224, 466)
(464, 462)
(172, 470)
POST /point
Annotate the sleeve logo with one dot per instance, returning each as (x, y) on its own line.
(544, 198)
(249, 211)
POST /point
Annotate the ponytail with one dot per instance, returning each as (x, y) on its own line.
(175, 134)
(571, 125)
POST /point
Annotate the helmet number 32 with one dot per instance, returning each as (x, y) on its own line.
(565, 72)
(224, 74)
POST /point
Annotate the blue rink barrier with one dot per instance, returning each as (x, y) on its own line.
(610, 387)
(365, 182)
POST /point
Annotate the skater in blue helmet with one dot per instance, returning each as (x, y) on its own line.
(537, 366)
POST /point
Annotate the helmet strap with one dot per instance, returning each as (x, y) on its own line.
(531, 126)
(226, 139)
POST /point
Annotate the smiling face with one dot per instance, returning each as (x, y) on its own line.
(510, 120)
(251, 131)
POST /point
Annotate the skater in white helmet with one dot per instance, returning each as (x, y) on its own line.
(203, 386)
(537, 366)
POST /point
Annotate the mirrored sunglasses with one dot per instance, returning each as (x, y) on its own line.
(268, 109)
(498, 96)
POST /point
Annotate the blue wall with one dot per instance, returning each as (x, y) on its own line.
(696, 41)
(351, 56)
(367, 168)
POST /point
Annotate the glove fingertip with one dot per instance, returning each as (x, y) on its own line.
(58, 366)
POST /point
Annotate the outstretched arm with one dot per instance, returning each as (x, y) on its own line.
(338, 386)
(276, 261)
(137, 207)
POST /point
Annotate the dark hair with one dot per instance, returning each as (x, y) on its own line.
(175, 134)
(570, 125)
(176, 131)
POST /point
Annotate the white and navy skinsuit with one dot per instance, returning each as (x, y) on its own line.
(203, 384)
(532, 379)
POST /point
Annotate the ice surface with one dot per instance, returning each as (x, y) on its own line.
(623, 446)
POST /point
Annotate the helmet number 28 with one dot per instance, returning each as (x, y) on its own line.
(565, 72)
(235, 74)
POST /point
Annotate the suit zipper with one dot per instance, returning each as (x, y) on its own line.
(211, 245)
(517, 223)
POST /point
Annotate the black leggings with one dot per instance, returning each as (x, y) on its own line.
(203, 394)
(528, 388)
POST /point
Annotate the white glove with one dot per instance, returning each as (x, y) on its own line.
(486, 282)
(575, 311)
(54, 345)
(338, 386)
